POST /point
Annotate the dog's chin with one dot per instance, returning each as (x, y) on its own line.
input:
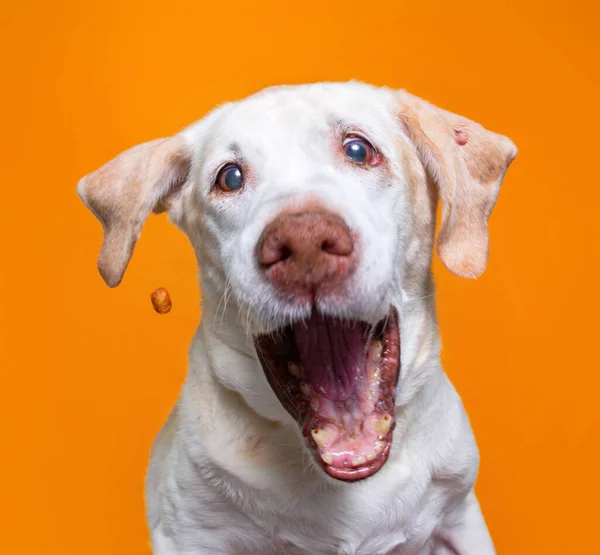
(337, 378)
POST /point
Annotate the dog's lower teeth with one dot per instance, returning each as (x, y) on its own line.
(373, 373)
(306, 390)
(344, 426)
(321, 436)
(294, 369)
(376, 351)
(327, 458)
(382, 425)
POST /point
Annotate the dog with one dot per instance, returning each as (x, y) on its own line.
(315, 417)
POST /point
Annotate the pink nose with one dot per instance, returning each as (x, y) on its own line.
(306, 253)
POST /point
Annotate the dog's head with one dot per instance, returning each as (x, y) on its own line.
(312, 208)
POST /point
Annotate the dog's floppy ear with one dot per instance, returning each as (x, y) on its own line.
(123, 192)
(468, 163)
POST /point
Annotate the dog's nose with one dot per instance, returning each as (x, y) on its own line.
(306, 252)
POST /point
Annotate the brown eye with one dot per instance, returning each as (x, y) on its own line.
(230, 178)
(359, 151)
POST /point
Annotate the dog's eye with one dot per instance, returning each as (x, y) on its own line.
(230, 178)
(359, 151)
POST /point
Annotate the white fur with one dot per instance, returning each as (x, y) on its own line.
(229, 473)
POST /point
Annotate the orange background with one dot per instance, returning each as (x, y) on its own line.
(89, 374)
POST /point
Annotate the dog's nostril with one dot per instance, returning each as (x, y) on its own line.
(284, 253)
(271, 254)
(337, 246)
(328, 246)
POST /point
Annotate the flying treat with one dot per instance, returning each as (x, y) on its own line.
(161, 301)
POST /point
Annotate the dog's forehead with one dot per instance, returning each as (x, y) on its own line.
(302, 109)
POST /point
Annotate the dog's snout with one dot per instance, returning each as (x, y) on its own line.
(306, 252)
(305, 236)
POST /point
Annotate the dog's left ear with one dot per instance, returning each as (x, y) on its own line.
(123, 192)
(468, 163)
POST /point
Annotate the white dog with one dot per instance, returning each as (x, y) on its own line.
(315, 417)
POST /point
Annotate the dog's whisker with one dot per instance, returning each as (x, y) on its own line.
(419, 298)
(228, 293)
(223, 302)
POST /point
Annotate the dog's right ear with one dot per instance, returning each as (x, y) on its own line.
(123, 192)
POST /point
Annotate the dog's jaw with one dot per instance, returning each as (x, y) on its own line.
(338, 381)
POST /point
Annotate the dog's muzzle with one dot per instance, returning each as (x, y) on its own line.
(337, 378)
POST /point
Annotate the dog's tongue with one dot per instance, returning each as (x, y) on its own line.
(332, 354)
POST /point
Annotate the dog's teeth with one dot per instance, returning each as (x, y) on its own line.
(314, 403)
(369, 407)
(322, 436)
(306, 390)
(382, 425)
(357, 461)
(373, 372)
(371, 456)
(327, 458)
(378, 447)
(376, 351)
(294, 369)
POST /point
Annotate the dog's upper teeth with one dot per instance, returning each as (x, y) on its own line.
(314, 403)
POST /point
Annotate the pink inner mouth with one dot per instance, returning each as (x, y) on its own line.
(332, 354)
(338, 380)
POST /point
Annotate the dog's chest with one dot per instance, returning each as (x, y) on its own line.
(383, 541)
(367, 521)
(380, 516)
(332, 535)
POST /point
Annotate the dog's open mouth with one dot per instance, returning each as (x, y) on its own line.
(338, 380)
